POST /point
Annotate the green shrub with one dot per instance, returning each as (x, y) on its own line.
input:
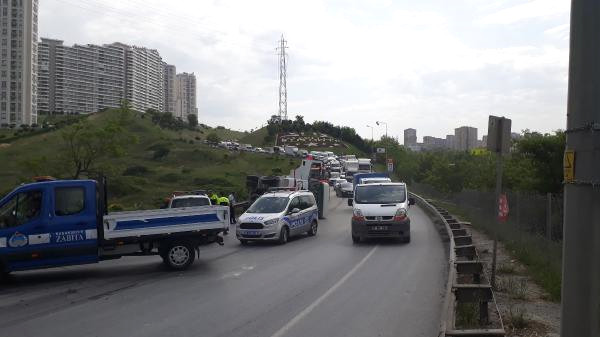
(160, 153)
(136, 170)
(115, 207)
(169, 177)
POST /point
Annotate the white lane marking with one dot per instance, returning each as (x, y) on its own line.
(237, 273)
(318, 301)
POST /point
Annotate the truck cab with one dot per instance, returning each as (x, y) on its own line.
(49, 224)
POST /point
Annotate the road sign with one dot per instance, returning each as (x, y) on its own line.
(569, 166)
(381, 150)
(498, 137)
(390, 165)
(502, 208)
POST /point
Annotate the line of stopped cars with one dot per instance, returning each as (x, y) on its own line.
(379, 210)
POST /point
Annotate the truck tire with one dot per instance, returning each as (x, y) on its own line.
(313, 228)
(284, 235)
(179, 255)
(244, 242)
(349, 202)
(355, 239)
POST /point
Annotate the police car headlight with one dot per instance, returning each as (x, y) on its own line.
(271, 222)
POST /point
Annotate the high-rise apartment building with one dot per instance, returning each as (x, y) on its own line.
(169, 81)
(410, 137)
(18, 62)
(466, 138)
(88, 78)
(185, 91)
(144, 78)
(450, 142)
(80, 79)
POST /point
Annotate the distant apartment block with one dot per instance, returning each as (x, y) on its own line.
(87, 78)
(80, 78)
(433, 143)
(466, 138)
(410, 137)
(18, 62)
(169, 84)
(450, 142)
(185, 92)
(144, 78)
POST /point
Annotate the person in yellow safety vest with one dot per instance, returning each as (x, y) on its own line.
(224, 201)
(214, 199)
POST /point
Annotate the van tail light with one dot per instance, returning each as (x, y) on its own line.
(400, 215)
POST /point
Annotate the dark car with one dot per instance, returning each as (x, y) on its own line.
(345, 190)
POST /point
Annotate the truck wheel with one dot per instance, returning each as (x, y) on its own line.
(284, 235)
(179, 255)
(355, 239)
(313, 229)
(406, 239)
(243, 242)
(349, 202)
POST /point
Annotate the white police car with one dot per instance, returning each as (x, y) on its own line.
(276, 216)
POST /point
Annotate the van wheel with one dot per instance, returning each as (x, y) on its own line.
(355, 239)
(284, 235)
(313, 229)
(179, 255)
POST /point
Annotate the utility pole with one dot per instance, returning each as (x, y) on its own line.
(580, 311)
(282, 79)
(498, 142)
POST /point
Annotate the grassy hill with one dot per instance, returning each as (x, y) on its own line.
(136, 180)
(256, 138)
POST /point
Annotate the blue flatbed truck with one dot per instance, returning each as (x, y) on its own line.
(65, 222)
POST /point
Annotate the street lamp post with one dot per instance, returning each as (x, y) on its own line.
(371, 140)
(384, 123)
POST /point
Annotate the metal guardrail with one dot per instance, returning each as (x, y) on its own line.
(463, 262)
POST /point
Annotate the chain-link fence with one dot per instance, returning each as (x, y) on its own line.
(532, 213)
(532, 233)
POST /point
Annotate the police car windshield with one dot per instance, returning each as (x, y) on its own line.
(379, 194)
(189, 202)
(269, 205)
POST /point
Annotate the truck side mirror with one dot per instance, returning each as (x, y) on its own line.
(411, 201)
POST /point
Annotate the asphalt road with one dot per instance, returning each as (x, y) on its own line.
(313, 286)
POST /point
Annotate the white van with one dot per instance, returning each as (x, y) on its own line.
(276, 216)
(381, 210)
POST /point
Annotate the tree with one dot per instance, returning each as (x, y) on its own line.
(213, 138)
(85, 144)
(192, 120)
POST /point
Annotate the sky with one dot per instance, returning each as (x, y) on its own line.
(432, 65)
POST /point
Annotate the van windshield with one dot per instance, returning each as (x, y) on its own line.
(379, 194)
(190, 202)
(269, 205)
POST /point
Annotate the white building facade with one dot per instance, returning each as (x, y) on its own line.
(18, 62)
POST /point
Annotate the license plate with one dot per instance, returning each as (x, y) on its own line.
(250, 232)
(380, 228)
